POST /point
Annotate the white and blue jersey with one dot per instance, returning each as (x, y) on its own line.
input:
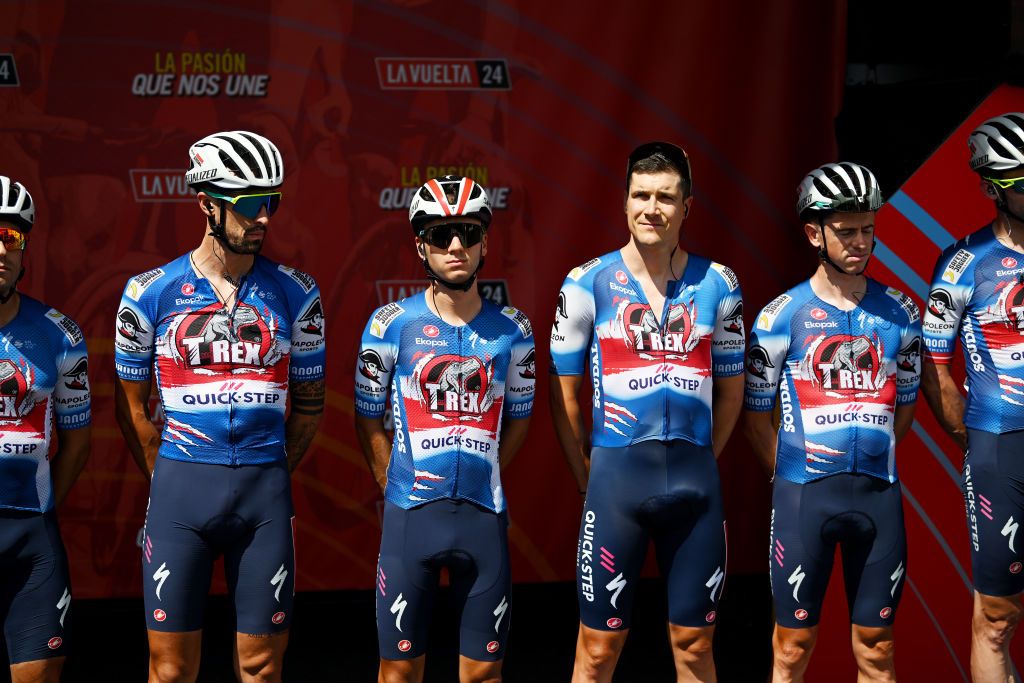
(977, 293)
(652, 379)
(839, 376)
(450, 387)
(43, 380)
(222, 373)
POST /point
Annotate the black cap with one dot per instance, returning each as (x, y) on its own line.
(673, 153)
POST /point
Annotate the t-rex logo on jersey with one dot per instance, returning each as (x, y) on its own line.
(642, 334)
(734, 321)
(13, 389)
(214, 338)
(1011, 303)
(129, 326)
(312, 320)
(455, 386)
(939, 303)
(78, 376)
(372, 365)
(758, 361)
(910, 356)
(527, 364)
(847, 364)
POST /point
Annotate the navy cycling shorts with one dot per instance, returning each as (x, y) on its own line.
(35, 595)
(198, 512)
(864, 515)
(472, 544)
(662, 491)
(993, 487)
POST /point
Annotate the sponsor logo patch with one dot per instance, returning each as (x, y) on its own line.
(957, 265)
(771, 312)
(579, 271)
(383, 318)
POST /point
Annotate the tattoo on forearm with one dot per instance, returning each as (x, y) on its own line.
(307, 398)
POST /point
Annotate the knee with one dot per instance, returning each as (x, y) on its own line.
(694, 646)
(996, 624)
(598, 654)
(260, 668)
(164, 669)
(874, 649)
(793, 649)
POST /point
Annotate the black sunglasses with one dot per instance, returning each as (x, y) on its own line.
(441, 236)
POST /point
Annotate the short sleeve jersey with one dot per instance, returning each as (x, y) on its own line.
(977, 294)
(222, 373)
(450, 389)
(43, 380)
(839, 376)
(651, 378)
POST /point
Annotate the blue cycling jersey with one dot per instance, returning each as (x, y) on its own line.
(450, 387)
(222, 372)
(977, 294)
(839, 376)
(651, 378)
(43, 373)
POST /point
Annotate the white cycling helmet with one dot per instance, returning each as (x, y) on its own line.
(449, 195)
(16, 205)
(998, 144)
(234, 160)
(844, 187)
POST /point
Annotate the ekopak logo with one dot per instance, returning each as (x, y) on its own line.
(431, 331)
(818, 314)
(1009, 262)
(621, 277)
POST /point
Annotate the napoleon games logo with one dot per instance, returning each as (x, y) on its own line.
(129, 327)
(312, 319)
(939, 303)
(77, 378)
(527, 364)
(644, 336)
(13, 389)
(454, 386)
(372, 366)
(847, 364)
(1011, 304)
(758, 362)
(734, 321)
(910, 356)
(212, 338)
(560, 312)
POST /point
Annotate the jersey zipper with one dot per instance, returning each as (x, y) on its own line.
(458, 448)
(856, 428)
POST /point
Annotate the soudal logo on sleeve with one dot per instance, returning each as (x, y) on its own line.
(129, 327)
(758, 361)
(454, 386)
(372, 366)
(214, 339)
(77, 378)
(527, 364)
(642, 334)
(847, 364)
(160, 185)
(425, 73)
(734, 321)
(312, 319)
(14, 383)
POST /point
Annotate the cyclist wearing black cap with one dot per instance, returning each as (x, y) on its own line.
(663, 334)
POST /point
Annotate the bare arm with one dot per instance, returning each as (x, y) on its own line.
(131, 408)
(307, 401)
(904, 420)
(513, 434)
(568, 421)
(762, 435)
(67, 463)
(945, 400)
(376, 447)
(726, 402)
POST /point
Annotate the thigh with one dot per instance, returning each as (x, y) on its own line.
(481, 581)
(407, 579)
(875, 570)
(993, 487)
(177, 562)
(800, 558)
(38, 621)
(612, 541)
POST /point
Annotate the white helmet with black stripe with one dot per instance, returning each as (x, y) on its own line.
(845, 186)
(449, 195)
(234, 160)
(998, 144)
(16, 205)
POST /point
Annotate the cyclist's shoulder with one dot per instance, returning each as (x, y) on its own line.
(151, 283)
(901, 306)
(781, 309)
(508, 319)
(293, 280)
(55, 326)
(588, 272)
(387, 320)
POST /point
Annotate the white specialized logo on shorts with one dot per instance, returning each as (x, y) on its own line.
(278, 581)
(398, 607)
(615, 586)
(716, 582)
(796, 579)
(895, 578)
(499, 612)
(63, 604)
(160, 575)
(1010, 529)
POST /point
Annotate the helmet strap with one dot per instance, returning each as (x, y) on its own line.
(218, 232)
(1003, 206)
(448, 284)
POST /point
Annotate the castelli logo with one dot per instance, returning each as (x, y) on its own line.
(188, 289)
(710, 618)
(404, 645)
(800, 614)
(1015, 568)
(159, 614)
(278, 617)
(621, 277)
(1009, 262)
(614, 622)
(818, 314)
(55, 642)
(492, 646)
(431, 330)
(886, 611)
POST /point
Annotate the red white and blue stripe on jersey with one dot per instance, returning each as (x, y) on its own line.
(451, 387)
(839, 376)
(43, 380)
(222, 373)
(977, 293)
(652, 379)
